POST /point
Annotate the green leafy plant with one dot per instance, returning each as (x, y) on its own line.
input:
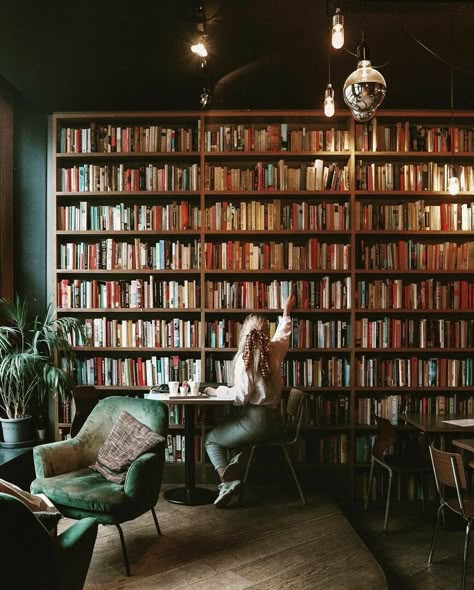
(36, 355)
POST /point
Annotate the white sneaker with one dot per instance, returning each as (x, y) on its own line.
(227, 491)
(233, 470)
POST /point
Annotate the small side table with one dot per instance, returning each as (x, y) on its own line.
(16, 466)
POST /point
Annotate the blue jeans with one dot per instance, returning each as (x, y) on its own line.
(253, 424)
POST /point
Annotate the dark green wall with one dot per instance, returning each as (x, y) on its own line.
(30, 204)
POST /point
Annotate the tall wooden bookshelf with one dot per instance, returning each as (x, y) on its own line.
(171, 227)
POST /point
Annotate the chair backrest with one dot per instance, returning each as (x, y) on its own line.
(84, 400)
(98, 425)
(384, 438)
(448, 469)
(294, 413)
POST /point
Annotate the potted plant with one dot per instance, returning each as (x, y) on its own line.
(36, 361)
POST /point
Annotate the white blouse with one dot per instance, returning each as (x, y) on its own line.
(260, 392)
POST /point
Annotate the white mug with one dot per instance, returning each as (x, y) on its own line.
(194, 387)
(173, 387)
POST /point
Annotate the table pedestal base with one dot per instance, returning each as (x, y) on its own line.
(190, 496)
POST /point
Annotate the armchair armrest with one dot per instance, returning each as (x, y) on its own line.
(60, 457)
(144, 477)
(75, 547)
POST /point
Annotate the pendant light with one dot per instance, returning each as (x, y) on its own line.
(364, 90)
(453, 180)
(337, 31)
(329, 105)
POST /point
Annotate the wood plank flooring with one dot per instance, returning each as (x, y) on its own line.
(403, 552)
(271, 542)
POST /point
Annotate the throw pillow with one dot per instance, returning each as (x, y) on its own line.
(128, 439)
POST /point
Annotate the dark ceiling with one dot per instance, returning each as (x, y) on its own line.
(122, 55)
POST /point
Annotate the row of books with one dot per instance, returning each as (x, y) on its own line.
(459, 404)
(102, 138)
(326, 371)
(412, 255)
(315, 372)
(140, 333)
(415, 216)
(148, 293)
(324, 410)
(366, 408)
(304, 333)
(274, 137)
(426, 176)
(325, 293)
(153, 293)
(405, 136)
(150, 372)
(414, 333)
(65, 410)
(253, 215)
(309, 255)
(95, 178)
(392, 407)
(414, 372)
(278, 177)
(121, 217)
(110, 254)
(422, 295)
(328, 449)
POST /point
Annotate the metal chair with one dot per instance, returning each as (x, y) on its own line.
(293, 420)
(449, 474)
(385, 437)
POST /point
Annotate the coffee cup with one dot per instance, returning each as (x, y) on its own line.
(194, 387)
(173, 387)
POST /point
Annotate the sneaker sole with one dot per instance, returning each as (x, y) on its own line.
(226, 498)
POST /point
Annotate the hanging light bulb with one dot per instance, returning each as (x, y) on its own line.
(200, 48)
(453, 183)
(337, 32)
(453, 180)
(365, 88)
(329, 106)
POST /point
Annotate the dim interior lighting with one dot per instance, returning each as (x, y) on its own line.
(205, 97)
(364, 90)
(337, 32)
(200, 48)
(453, 183)
(453, 180)
(329, 106)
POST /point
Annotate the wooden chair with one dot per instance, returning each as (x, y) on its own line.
(385, 437)
(84, 400)
(293, 420)
(450, 476)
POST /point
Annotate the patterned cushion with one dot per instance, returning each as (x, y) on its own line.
(127, 440)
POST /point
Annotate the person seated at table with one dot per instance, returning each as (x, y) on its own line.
(257, 392)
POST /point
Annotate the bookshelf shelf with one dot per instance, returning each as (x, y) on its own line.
(300, 182)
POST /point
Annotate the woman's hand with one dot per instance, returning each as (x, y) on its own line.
(288, 305)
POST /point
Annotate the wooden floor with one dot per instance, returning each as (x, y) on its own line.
(403, 552)
(272, 542)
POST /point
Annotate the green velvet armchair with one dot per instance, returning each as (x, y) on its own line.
(63, 472)
(31, 558)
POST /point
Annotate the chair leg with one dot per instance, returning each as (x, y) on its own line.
(156, 521)
(435, 533)
(466, 553)
(369, 485)
(295, 477)
(124, 550)
(247, 469)
(387, 505)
